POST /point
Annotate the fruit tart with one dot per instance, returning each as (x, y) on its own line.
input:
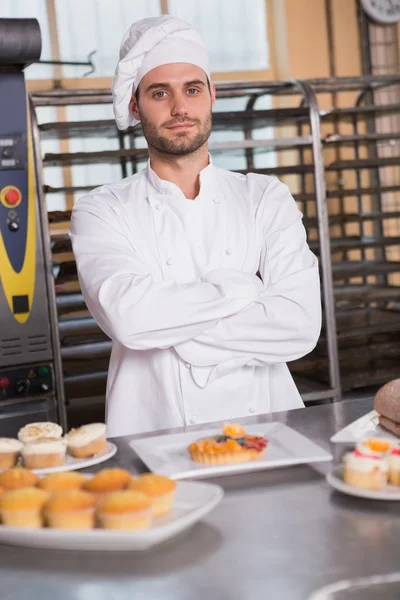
(232, 447)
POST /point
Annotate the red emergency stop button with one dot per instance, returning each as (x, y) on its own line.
(4, 383)
(13, 197)
(10, 196)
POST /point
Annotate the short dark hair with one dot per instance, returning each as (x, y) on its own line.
(138, 87)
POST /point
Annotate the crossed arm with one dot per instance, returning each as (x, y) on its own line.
(229, 315)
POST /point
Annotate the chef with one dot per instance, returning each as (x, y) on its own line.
(201, 277)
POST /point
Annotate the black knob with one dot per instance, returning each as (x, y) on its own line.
(13, 226)
(22, 386)
(8, 152)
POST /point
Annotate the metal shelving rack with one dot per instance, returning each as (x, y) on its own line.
(302, 144)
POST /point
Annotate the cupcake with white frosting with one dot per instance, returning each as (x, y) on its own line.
(9, 452)
(44, 453)
(34, 431)
(87, 440)
(365, 471)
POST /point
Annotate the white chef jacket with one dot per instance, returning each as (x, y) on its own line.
(197, 336)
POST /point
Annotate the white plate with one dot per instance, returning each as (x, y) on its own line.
(193, 501)
(362, 429)
(73, 464)
(335, 479)
(168, 454)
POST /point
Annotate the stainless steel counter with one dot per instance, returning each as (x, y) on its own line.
(276, 535)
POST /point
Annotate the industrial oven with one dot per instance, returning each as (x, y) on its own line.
(31, 387)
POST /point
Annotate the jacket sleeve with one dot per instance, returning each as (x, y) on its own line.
(284, 322)
(127, 302)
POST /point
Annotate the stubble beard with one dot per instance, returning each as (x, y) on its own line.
(182, 143)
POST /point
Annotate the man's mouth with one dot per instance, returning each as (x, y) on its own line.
(179, 126)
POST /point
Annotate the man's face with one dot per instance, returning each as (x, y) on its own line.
(174, 106)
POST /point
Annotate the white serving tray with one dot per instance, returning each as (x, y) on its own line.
(335, 479)
(362, 429)
(74, 464)
(168, 454)
(193, 501)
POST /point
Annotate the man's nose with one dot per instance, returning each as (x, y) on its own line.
(179, 105)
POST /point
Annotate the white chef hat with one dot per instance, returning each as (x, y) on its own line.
(150, 43)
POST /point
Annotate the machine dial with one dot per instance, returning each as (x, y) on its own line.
(22, 386)
(13, 226)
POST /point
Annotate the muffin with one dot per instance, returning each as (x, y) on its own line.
(365, 471)
(393, 461)
(17, 478)
(87, 440)
(160, 489)
(107, 481)
(62, 482)
(233, 446)
(125, 510)
(73, 509)
(9, 452)
(23, 507)
(34, 431)
(44, 453)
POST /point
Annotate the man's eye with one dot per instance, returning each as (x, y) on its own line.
(192, 91)
(159, 94)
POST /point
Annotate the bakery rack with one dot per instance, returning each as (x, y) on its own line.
(326, 139)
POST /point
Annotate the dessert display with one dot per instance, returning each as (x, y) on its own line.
(43, 445)
(23, 507)
(34, 431)
(18, 478)
(74, 509)
(111, 499)
(62, 482)
(87, 440)
(107, 481)
(387, 404)
(160, 489)
(125, 510)
(232, 447)
(373, 464)
(365, 471)
(44, 453)
(9, 452)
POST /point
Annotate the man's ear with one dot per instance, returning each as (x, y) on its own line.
(133, 107)
(213, 92)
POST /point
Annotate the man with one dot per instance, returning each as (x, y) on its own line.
(167, 258)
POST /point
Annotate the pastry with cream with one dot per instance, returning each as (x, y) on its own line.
(393, 461)
(9, 452)
(364, 470)
(44, 453)
(86, 441)
(34, 431)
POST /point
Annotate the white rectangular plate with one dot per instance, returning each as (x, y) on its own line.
(362, 429)
(193, 501)
(168, 454)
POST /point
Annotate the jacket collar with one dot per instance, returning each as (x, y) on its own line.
(161, 186)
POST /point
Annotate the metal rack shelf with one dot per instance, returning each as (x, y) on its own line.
(338, 148)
